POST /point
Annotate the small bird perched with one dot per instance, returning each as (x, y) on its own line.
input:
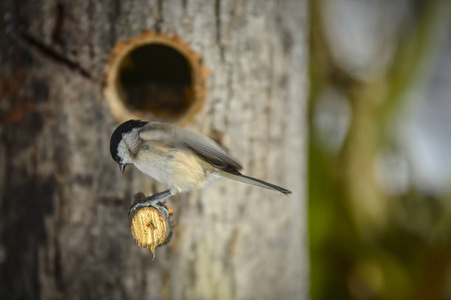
(181, 158)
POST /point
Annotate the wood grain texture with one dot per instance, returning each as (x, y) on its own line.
(64, 231)
(149, 227)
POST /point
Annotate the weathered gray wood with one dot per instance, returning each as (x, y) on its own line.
(63, 213)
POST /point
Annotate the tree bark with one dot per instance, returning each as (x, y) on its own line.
(64, 229)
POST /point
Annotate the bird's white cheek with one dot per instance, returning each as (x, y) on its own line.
(127, 160)
(124, 153)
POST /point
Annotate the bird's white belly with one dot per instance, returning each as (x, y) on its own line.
(157, 172)
(182, 172)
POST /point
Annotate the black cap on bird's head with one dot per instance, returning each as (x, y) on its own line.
(116, 137)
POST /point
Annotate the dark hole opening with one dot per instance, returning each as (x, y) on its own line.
(156, 79)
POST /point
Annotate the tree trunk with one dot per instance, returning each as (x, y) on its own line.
(64, 229)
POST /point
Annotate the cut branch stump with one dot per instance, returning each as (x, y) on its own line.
(151, 225)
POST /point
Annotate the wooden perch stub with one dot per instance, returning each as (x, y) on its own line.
(150, 225)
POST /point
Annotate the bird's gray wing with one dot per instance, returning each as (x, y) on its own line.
(202, 145)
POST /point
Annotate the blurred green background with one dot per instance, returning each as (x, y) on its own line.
(380, 149)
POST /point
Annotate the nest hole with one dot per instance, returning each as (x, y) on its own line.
(156, 78)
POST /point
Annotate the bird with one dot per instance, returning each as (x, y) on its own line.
(180, 158)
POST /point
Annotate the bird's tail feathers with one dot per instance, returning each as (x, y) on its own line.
(255, 182)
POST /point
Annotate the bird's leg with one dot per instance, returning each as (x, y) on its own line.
(151, 200)
(155, 198)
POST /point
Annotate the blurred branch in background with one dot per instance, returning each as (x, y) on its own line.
(380, 228)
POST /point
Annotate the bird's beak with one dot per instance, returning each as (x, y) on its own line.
(122, 167)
